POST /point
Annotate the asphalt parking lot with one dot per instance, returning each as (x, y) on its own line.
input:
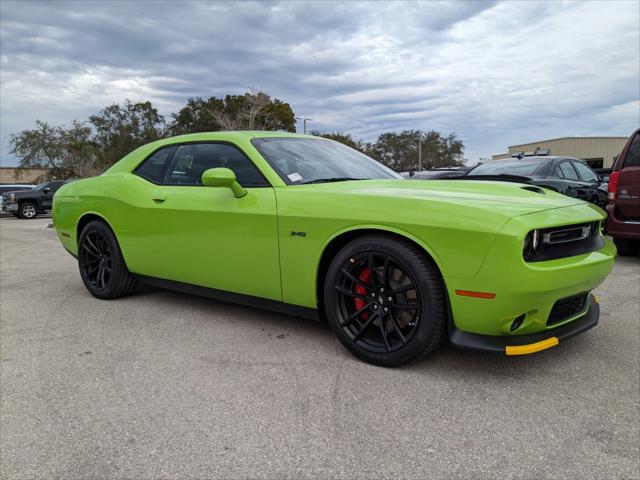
(166, 385)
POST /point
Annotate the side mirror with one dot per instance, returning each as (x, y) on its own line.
(46, 189)
(223, 177)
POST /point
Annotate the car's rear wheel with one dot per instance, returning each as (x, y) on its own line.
(627, 247)
(28, 210)
(383, 298)
(101, 263)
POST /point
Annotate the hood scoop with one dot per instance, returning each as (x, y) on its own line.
(534, 189)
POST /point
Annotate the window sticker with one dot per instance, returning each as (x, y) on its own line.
(295, 177)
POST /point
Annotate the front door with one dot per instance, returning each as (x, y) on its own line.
(47, 194)
(203, 235)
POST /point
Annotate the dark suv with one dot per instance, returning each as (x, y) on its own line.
(623, 222)
(29, 203)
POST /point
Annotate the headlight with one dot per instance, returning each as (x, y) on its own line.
(11, 197)
(531, 243)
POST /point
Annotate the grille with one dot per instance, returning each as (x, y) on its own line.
(566, 308)
(566, 241)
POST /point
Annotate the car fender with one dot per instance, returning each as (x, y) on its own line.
(381, 228)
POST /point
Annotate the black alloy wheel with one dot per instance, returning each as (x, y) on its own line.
(101, 264)
(384, 300)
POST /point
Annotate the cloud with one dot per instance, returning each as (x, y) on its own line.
(495, 73)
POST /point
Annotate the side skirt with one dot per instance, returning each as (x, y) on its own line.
(232, 297)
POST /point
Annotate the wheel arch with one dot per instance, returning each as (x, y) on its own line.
(85, 218)
(343, 237)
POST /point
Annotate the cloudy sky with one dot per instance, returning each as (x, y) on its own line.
(495, 73)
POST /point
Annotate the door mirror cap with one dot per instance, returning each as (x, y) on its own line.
(46, 189)
(223, 177)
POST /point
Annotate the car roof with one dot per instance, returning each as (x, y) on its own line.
(237, 134)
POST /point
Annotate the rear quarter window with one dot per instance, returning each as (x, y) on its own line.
(155, 166)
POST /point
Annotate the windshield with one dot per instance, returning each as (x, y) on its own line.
(41, 186)
(523, 168)
(309, 160)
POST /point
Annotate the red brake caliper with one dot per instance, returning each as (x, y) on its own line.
(365, 277)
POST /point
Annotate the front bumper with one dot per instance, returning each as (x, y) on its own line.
(9, 207)
(525, 344)
(515, 289)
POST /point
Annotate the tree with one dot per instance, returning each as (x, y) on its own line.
(198, 115)
(344, 138)
(65, 152)
(399, 151)
(251, 111)
(120, 129)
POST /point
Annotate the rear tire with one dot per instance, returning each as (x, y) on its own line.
(627, 247)
(101, 263)
(27, 210)
(384, 300)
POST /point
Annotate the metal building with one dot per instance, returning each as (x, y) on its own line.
(598, 152)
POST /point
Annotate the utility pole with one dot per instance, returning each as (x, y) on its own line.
(304, 120)
(420, 153)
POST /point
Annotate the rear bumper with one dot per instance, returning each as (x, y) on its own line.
(618, 228)
(529, 343)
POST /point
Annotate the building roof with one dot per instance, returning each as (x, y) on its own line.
(568, 138)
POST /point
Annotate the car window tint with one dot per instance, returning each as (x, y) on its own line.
(568, 171)
(190, 162)
(524, 167)
(633, 154)
(155, 166)
(585, 172)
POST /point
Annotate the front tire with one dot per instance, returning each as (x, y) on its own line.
(627, 247)
(27, 210)
(101, 263)
(384, 300)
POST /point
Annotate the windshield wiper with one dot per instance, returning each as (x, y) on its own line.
(332, 179)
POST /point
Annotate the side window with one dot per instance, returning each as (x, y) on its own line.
(633, 154)
(585, 172)
(568, 172)
(557, 172)
(190, 162)
(154, 167)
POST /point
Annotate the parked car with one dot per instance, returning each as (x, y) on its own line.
(566, 175)
(11, 188)
(623, 222)
(28, 204)
(436, 173)
(309, 226)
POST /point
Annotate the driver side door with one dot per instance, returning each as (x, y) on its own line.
(202, 235)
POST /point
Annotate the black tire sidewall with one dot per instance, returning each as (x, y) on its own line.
(117, 283)
(627, 247)
(430, 293)
(22, 206)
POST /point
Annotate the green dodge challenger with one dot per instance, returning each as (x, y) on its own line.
(307, 226)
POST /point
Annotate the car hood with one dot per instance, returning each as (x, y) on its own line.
(506, 198)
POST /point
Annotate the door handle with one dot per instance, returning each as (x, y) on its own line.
(159, 196)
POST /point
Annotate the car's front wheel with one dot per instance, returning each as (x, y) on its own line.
(627, 247)
(27, 210)
(102, 266)
(384, 299)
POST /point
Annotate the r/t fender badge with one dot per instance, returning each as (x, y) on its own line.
(297, 234)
